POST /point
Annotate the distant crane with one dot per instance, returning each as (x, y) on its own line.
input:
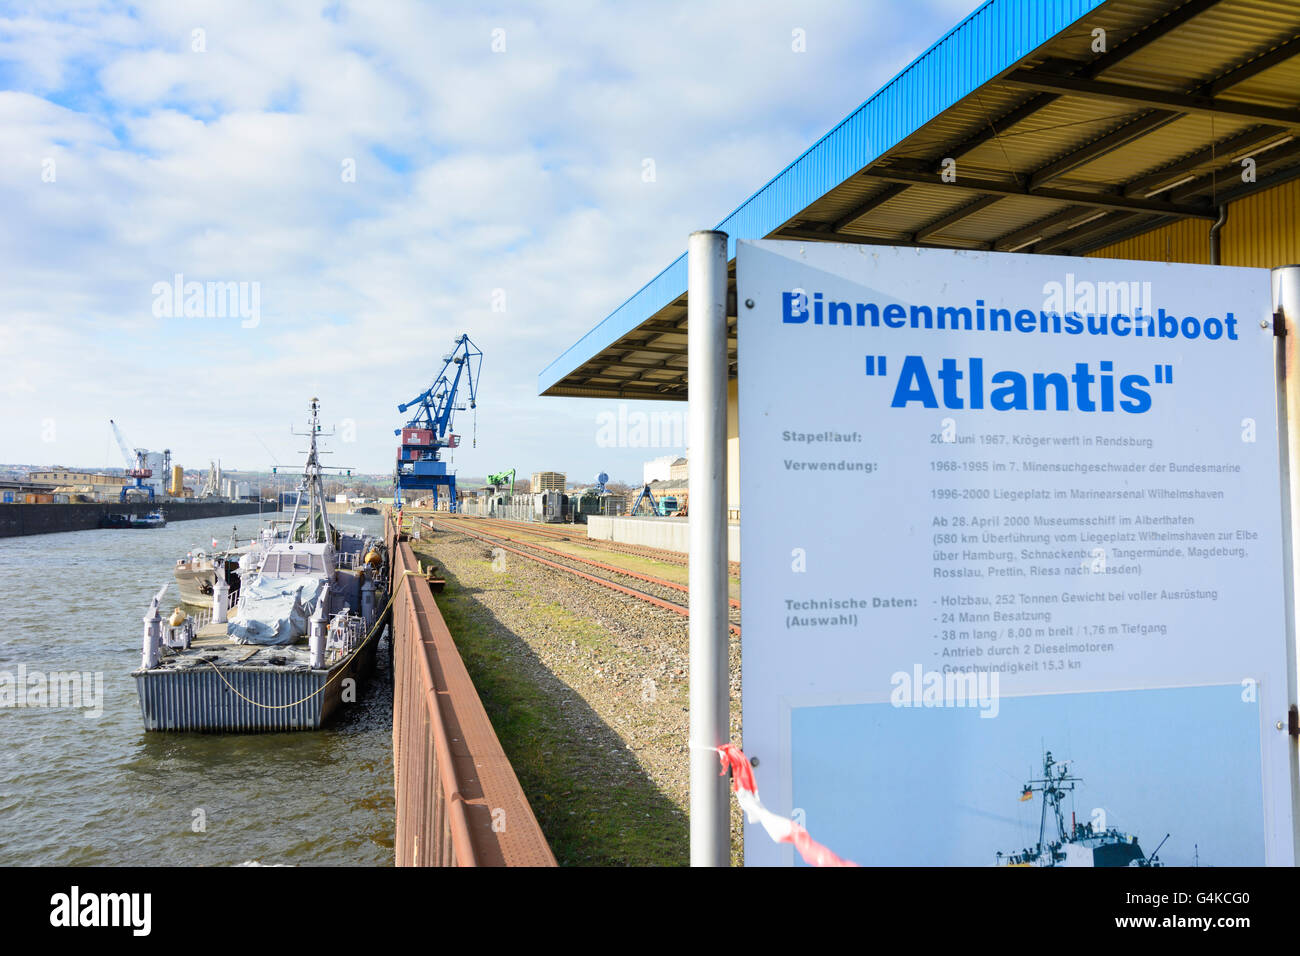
(419, 456)
(500, 479)
(137, 464)
(646, 495)
(212, 484)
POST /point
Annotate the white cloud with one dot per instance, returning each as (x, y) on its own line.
(475, 171)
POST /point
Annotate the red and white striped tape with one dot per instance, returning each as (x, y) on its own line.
(779, 828)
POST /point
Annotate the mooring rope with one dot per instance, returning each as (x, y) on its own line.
(357, 650)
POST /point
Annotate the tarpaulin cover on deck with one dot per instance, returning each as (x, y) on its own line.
(277, 610)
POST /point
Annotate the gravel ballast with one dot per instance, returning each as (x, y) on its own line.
(608, 674)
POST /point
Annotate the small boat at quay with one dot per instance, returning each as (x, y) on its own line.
(290, 651)
(196, 573)
(155, 519)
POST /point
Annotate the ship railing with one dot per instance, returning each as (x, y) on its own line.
(344, 634)
(179, 637)
(348, 560)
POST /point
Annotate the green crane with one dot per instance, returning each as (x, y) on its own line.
(500, 479)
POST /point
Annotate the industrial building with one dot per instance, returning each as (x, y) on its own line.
(1155, 130)
(547, 481)
(239, 490)
(87, 483)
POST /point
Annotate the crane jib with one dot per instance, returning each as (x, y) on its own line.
(429, 430)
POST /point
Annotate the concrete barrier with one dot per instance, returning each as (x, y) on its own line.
(16, 519)
(669, 534)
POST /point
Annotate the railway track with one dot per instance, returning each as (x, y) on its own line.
(556, 533)
(516, 546)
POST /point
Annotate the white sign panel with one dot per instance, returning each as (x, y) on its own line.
(1012, 561)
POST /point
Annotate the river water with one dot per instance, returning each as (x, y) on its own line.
(97, 790)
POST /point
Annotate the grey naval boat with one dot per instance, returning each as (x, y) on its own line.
(289, 652)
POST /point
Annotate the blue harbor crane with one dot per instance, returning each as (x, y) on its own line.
(419, 457)
(137, 465)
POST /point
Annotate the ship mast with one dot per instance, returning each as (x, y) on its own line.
(1053, 785)
(312, 486)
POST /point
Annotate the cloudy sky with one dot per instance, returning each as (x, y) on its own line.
(381, 175)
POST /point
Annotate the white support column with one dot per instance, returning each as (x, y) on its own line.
(152, 636)
(220, 591)
(367, 600)
(1286, 309)
(709, 684)
(316, 640)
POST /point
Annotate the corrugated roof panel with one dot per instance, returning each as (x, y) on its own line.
(1181, 137)
(1054, 131)
(1275, 86)
(1003, 217)
(1209, 45)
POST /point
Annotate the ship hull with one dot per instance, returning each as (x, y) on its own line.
(195, 587)
(219, 699)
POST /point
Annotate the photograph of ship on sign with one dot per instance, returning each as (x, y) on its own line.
(1089, 844)
(1136, 771)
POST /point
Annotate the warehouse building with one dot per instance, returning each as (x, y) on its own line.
(547, 481)
(1155, 130)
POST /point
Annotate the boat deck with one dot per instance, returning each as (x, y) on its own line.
(212, 645)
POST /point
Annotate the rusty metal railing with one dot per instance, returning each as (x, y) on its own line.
(459, 802)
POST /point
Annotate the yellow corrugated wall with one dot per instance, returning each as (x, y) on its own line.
(1262, 230)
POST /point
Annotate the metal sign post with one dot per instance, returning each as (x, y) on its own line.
(709, 698)
(1286, 318)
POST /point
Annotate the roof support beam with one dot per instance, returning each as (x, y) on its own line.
(1094, 150)
(1134, 44)
(1158, 118)
(1228, 174)
(1274, 177)
(850, 239)
(1034, 232)
(1111, 141)
(1253, 67)
(602, 362)
(939, 225)
(1099, 200)
(1127, 232)
(1144, 186)
(625, 348)
(1150, 98)
(1156, 31)
(614, 391)
(857, 212)
(1067, 240)
(1099, 147)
